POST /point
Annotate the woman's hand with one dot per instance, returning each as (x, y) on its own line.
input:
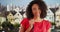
(31, 22)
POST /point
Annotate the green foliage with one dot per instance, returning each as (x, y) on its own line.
(12, 27)
(17, 25)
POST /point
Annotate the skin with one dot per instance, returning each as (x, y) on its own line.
(36, 12)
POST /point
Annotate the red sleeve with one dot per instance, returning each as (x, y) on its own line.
(23, 22)
(48, 25)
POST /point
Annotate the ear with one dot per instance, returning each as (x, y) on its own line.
(6, 13)
(13, 12)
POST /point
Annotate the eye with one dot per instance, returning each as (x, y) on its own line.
(10, 15)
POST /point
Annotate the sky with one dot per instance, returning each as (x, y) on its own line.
(26, 2)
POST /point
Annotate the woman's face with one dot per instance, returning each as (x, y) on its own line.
(35, 10)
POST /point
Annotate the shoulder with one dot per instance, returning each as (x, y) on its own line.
(47, 21)
(24, 20)
(48, 24)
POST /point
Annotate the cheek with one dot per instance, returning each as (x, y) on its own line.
(33, 12)
(38, 12)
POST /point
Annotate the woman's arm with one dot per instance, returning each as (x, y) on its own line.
(22, 28)
(49, 30)
(30, 27)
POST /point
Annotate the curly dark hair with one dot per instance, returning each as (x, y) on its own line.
(42, 7)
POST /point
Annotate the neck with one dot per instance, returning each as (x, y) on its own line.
(38, 17)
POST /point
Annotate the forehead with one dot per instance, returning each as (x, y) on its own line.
(35, 5)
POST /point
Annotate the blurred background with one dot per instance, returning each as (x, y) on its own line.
(13, 11)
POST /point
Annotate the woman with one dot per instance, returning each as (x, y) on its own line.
(35, 12)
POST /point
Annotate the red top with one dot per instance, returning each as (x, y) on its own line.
(38, 26)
